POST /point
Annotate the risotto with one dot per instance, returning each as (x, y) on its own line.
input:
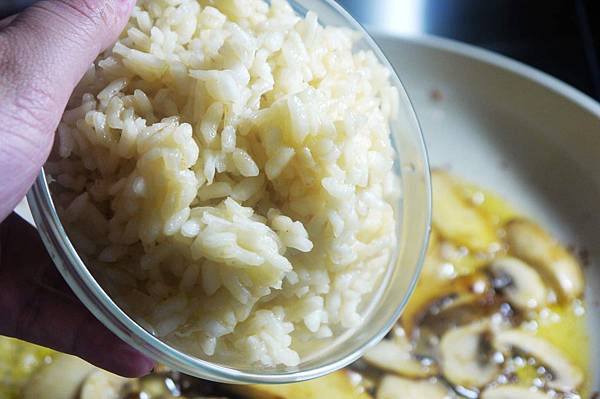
(226, 172)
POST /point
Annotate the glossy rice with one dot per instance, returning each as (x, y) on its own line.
(226, 172)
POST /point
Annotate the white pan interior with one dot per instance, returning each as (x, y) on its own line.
(517, 131)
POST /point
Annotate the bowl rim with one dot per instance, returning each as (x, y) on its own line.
(93, 296)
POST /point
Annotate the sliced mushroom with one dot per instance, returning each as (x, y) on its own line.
(532, 244)
(467, 356)
(442, 306)
(60, 379)
(393, 387)
(427, 294)
(513, 392)
(101, 384)
(456, 219)
(521, 284)
(338, 385)
(565, 375)
(166, 384)
(395, 355)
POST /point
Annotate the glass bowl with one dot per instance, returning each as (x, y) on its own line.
(413, 223)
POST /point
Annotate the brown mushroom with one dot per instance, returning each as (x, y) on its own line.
(456, 219)
(101, 384)
(396, 355)
(393, 387)
(530, 243)
(565, 376)
(467, 356)
(521, 284)
(443, 306)
(60, 379)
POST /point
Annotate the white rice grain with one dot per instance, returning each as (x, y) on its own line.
(228, 170)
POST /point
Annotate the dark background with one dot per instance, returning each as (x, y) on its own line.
(561, 37)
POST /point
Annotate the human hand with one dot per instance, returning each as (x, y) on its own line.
(44, 52)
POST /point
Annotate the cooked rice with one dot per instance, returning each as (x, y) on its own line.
(227, 176)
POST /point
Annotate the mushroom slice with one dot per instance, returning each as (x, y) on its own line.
(102, 385)
(455, 219)
(467, 356)
(513, 392)
(441, 305)
(396, 355)
(521, 284)
(529, 242)
(60, 379)
(565, 375)
(338, 385)
(392, 387)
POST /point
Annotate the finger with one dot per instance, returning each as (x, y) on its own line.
(68, 327)
(7, 21)
(30, 308)
(44, 52)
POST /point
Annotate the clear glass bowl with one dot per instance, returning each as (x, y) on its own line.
(413, 225)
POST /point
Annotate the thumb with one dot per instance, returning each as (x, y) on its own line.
(44, 52)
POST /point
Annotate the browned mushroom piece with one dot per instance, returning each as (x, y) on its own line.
(397, 355)
(393, 387)
(564, 375)
(338, 385)
(532, 244)
(514, 392)
(467, 356)
(101, 384)
(60, 379)
(459, 302)
(456, 219)
(520, 283)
